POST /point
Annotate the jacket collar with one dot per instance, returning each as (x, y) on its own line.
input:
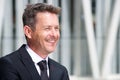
(29, 64)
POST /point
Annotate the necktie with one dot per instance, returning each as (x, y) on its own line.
(43, 66)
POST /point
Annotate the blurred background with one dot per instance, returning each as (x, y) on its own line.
(90, 35)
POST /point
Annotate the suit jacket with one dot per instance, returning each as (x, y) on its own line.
(19, 66)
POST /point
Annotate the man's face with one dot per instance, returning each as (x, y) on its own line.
(46, 34)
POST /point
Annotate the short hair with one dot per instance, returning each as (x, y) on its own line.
(30, 12)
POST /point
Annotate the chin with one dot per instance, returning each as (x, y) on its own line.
(51, 50)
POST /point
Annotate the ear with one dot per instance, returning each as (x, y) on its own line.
(27, 31)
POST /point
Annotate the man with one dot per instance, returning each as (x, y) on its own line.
(31, 61)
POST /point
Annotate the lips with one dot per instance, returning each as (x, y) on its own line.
(51, 41)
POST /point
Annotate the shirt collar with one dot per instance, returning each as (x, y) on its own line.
(35, 57)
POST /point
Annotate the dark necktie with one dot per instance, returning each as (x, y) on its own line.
(43, 67)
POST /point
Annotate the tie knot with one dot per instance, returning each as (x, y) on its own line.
(43, 65)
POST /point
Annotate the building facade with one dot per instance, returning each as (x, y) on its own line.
(89, 46)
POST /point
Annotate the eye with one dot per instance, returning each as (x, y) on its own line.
(47, 28)
(57, 28)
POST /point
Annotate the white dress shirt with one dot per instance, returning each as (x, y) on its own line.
(36, 58)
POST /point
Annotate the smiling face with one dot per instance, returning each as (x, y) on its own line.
(44, 38)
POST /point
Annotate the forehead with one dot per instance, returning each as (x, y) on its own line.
(46, 14)
(47, 17)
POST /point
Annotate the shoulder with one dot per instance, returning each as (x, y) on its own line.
(58, 69)
(8, 60)
(7, 66)
(11, 58)
(55, 64)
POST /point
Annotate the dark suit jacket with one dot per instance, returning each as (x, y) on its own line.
(19, 66)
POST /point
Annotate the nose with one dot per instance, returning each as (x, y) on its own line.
(53, 32)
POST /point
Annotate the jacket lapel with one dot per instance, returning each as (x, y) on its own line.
(29, 64)
(52, 70)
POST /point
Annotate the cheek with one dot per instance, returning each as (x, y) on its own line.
(48, 35)
(37, 37)
(42, 36)
(58, 34)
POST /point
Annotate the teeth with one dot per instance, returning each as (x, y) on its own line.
(51, 40)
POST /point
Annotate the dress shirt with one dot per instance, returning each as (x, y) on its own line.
(36, 58)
